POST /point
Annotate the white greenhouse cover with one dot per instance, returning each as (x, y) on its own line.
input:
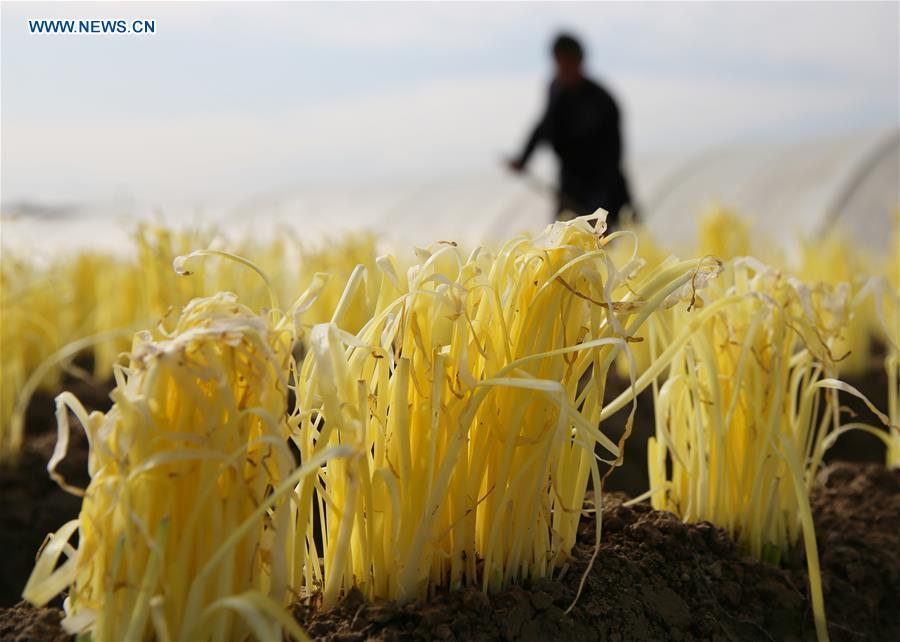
(788, 191)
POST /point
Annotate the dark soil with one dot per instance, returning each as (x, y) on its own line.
(630, 478)
(857, 515)
(659, 579)
(857, 445)
(33, 504)
(23, 623)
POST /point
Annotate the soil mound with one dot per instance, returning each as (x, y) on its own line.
(656, 578)
(22, 623)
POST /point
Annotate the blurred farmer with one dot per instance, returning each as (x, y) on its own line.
(581, 122)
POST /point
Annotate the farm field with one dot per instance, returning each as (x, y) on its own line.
(214, 440)
(449, 321)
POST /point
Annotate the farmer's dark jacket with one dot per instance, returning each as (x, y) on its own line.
(582, 125)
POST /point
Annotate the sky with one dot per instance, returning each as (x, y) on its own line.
(230, 100)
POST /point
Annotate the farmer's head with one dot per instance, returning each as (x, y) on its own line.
(568, 55)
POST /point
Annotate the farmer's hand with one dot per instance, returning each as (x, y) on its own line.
(515, 165)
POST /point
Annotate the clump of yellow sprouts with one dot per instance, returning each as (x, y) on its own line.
(744, 413)
(183, 527)
(472, 400)
(92, 303)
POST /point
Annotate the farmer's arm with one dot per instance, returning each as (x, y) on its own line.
(538, 135)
